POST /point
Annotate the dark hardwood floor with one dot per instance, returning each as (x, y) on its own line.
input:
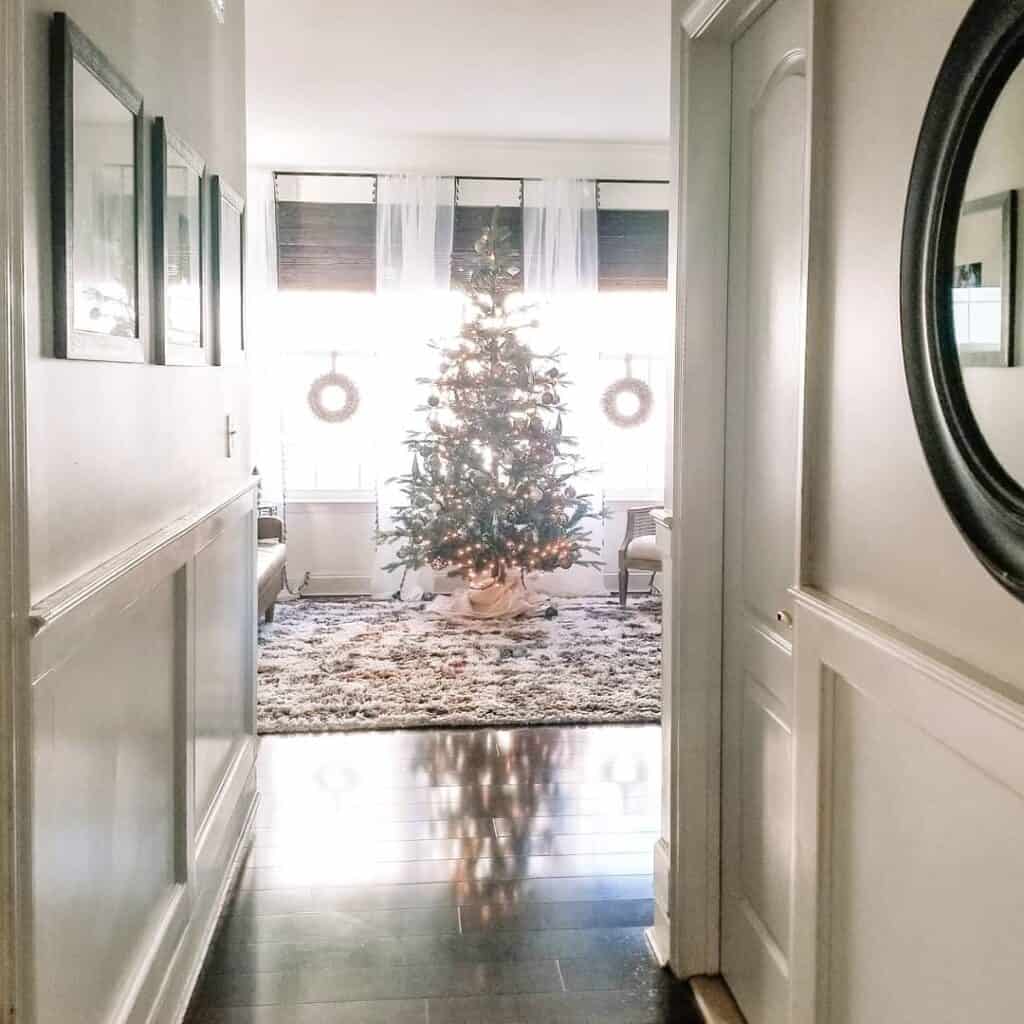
(479, 877)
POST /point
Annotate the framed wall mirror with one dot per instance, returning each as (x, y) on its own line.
(178, 247)
(227, 242)
(960, 288)
(96, 173)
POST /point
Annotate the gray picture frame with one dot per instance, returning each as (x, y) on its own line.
(1007, 204)
(68, 46)
(227, 352)
(171, 350)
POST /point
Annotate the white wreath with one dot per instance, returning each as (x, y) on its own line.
(628, 386)
(316, 397)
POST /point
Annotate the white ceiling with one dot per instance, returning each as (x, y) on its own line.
(571, 70)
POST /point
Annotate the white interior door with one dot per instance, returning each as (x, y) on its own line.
(764, 368)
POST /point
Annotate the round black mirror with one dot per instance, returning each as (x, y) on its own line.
(962, 296)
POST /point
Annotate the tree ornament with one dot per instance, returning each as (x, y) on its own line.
(437, 564)
(554, 373)
(433, 401)
(565, 560)
(548, 398)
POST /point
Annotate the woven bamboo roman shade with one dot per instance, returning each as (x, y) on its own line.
(327, 230)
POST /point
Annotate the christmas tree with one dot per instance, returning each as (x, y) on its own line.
(491, 495)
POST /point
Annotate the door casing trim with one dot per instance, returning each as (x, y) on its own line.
(703, 34)
(15, 789)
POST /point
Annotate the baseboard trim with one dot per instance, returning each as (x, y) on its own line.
(188, 962)
(233, 780)
(659, 934)
(715, 1001)
(331, 585)
(155, 957)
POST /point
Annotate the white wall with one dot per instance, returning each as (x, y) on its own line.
(910, 682)
(142, 542)
(470, 156)
(881, 537)
(116, 451)
(584, 69)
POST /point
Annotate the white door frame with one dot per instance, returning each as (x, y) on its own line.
(14, 579)
(703, 34)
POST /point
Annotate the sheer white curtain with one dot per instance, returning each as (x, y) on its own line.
(415, 220)
(560, 274)
(560, 236)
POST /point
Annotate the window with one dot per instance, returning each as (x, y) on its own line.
(326, 232)
(632, 236)
(475, 201)
(327, 311)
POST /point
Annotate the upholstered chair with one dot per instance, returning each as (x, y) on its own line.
(639, 550)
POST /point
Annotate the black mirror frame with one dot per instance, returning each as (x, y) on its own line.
(986, 503)
(68, 43)
(168, 352)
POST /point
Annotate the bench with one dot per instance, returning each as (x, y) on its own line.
(270, 564)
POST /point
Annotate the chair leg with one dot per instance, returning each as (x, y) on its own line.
(268, 615)
(623, 586)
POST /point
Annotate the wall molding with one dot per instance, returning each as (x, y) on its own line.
(966, 712)
(658, 935)
(186, 964)
(62, 620)
(167, 952)
(721, 19)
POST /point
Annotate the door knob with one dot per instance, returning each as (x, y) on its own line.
(784, 618)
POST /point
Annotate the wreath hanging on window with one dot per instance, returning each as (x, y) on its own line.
(332, 412)
(627, 385)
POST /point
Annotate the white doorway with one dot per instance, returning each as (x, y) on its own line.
(763, 375)
(743, 127)
(15, 932)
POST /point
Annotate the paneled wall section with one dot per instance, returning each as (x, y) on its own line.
(143, 768)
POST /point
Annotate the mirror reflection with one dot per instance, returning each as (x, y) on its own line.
(230, 277)
(182, 220)
(987, 264)
(103, 254)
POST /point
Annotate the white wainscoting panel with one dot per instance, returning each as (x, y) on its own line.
(223, 653)
(143, 759)
(104, 800)
(909, 903)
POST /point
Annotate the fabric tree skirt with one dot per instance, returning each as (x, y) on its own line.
(364, 664)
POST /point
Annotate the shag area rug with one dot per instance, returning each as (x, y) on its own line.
(356, 663)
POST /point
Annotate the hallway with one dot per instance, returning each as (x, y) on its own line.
(478, 877)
